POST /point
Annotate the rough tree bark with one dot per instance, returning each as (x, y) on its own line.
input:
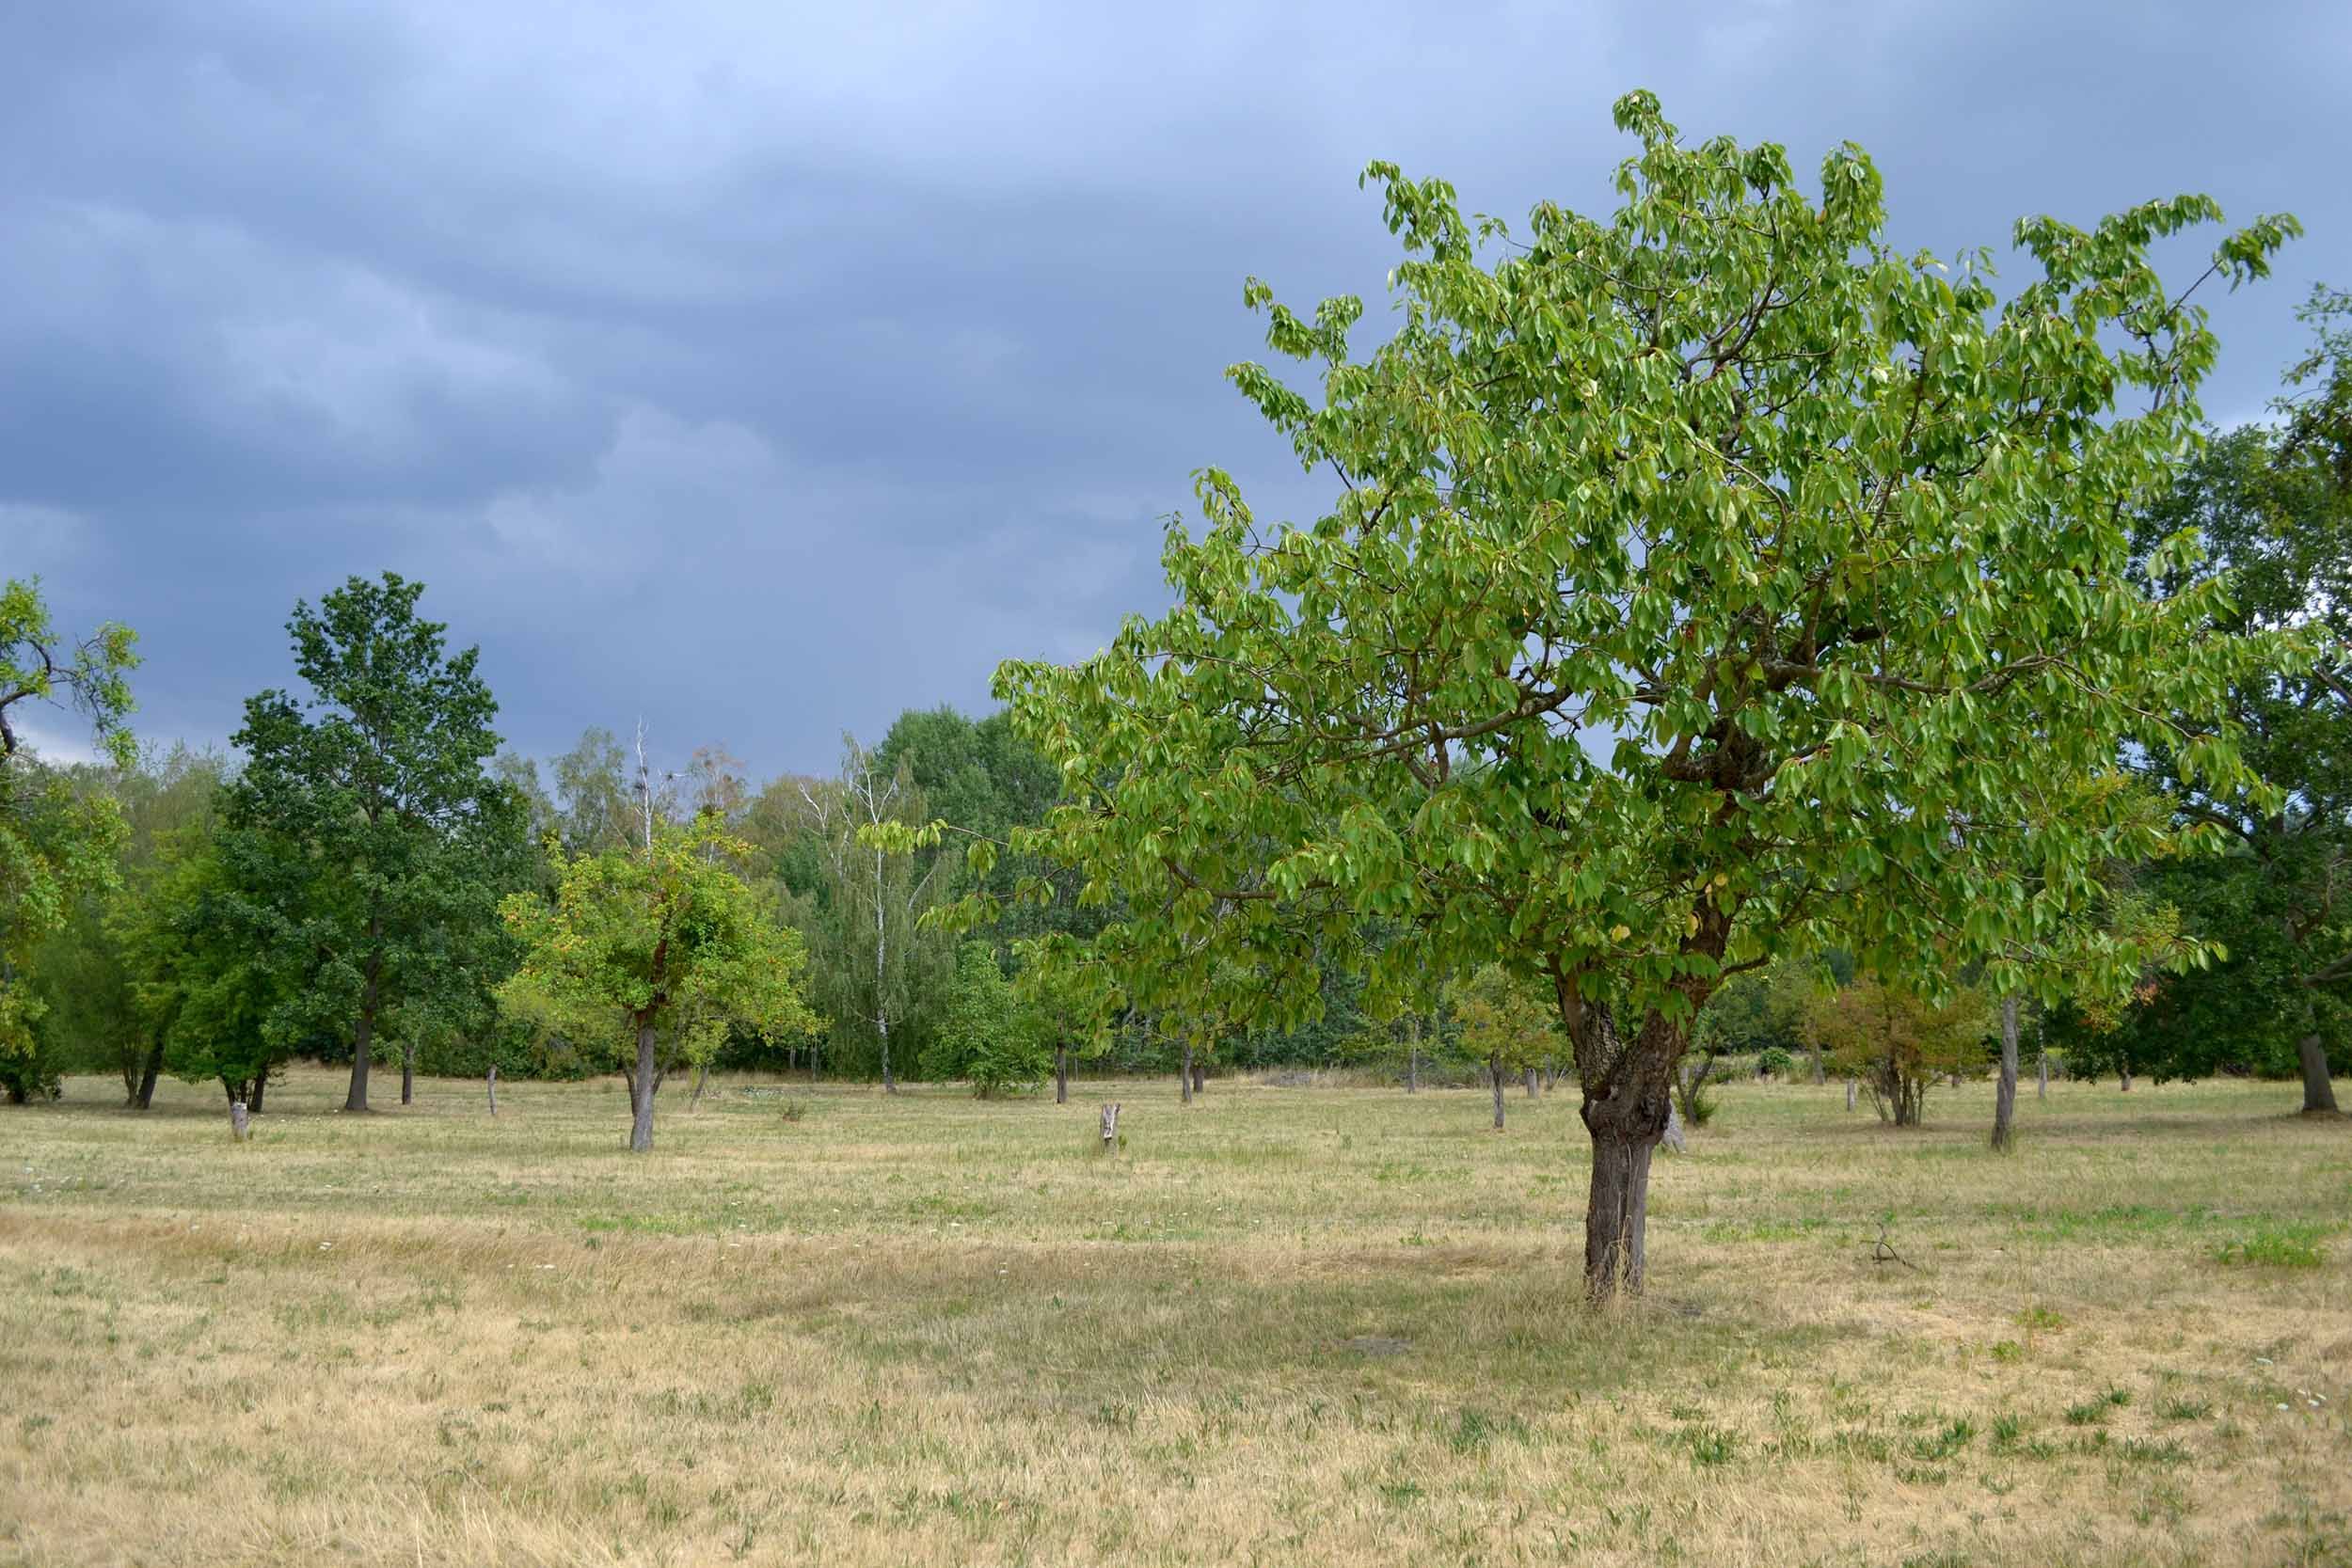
(2005, 1094)
(1061, 1075)
(641, 1086)
(2319, 1093)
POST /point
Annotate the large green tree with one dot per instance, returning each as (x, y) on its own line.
(2271, 505)
(1702, 580)
(58, 844)
(392, 844)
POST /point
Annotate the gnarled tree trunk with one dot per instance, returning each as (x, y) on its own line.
(2319, 1093)
(2005, 1094)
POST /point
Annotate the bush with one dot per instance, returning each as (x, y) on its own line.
(1774, 1063)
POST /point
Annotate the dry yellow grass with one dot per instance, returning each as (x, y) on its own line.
(1286, 1325)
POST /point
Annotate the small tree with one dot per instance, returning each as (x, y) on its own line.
(984, 1037)
(1506, 1022)
(667, 940)
(1068, 998)
(1897, 1042)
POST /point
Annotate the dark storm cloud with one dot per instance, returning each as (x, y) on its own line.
(765, 371)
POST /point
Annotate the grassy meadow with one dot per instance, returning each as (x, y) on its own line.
(1287, 1324)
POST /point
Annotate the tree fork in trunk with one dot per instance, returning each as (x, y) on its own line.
(641, 1091)
(2005, 1094)
(2319, 1092)
(1625, 1130)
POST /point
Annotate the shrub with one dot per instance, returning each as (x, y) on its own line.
(984, 1037)
(1774, 1063)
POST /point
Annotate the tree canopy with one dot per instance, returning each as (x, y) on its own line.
(1702, 580)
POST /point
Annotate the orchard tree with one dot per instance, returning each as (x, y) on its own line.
(57, 844)
(1702, 581)
(1067, 996)
(1897, 1042)
(396, 842)
(1505, 1023)
(667, 940)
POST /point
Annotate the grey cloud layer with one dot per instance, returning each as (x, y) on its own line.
(765, 370)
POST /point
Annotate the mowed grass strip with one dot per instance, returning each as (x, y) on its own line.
(1285, 1325)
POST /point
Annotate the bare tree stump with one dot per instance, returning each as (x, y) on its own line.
(494, 1088)
(239, 1128)
(1110, 1127)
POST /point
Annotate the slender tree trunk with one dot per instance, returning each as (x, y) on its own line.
(2319, 1094)
(1494, 1076)
(1061, 1074)
(641, 1086)
(144, 1096)
(1818, 1076)
(261, 1084)
(363, 1035)
(701, 1076)
(1849, 1095)
(1200, 1076)
(494, 1088)
(407, 1074)
(1412, 1059)
(890, 1084)
(1532, 1090)
(812, 1064)
(2041, 1072)
(1183, 1073)
(2005, 1095)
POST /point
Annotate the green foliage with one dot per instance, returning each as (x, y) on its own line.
(1897, 1042)
(668, 936)
(2270, 508)
(1702, 580)
(984, 1035)
(379, 845)
(1775, 1062)
(58, 844)
(1505, 1019)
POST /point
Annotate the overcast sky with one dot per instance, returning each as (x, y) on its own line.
(766, 370)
